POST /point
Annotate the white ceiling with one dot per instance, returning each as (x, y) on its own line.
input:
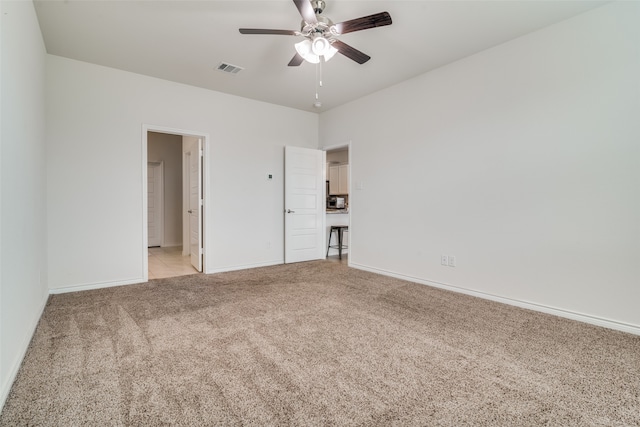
(184, 41)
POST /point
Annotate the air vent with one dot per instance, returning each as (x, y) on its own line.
(228, 68)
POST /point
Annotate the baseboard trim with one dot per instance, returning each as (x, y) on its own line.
(100, 285)
(170, 245)
(568, 314)
(244, 266)
(13, 372)
(97, 285)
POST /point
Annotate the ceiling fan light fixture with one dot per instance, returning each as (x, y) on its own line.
(305, 50)
(330, 52)
(320, 45)
(312, 50)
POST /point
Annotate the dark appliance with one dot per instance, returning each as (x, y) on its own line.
(334, 202)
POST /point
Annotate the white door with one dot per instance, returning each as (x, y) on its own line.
(195, 206)
(304, 206)
(154, 204)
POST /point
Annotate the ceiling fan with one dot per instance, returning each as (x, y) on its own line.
(321, 34)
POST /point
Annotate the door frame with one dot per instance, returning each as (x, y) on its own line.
(348, 145)
(146, 128)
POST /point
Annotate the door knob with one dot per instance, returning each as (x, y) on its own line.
(190, 211)
(290, 211)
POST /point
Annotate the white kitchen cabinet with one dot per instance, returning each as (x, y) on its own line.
(334, 179)
(339, 180)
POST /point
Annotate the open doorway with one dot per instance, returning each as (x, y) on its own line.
(174, 206)
(339, 202)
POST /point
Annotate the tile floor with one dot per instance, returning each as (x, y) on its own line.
(169, 262)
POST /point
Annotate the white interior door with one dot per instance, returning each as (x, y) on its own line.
(304, 197)
(195, 206)
(154, 204)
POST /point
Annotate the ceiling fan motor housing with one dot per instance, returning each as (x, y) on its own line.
(324, 25)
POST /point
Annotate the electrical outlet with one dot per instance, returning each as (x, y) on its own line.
(452, 261)
(444, 260)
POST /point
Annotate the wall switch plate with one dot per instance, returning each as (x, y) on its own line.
(452, 261)
(444, 260)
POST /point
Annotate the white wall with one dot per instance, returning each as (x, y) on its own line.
(523, 161)
(167, 148)
(95, 117)
(23, 262)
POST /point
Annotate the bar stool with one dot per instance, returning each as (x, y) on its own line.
(339, 229)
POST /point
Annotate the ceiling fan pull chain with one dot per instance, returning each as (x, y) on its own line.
(317, 80)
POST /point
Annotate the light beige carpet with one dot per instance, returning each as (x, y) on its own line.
(316, 344)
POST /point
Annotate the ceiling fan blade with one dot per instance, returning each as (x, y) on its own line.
(263, 31)
(350, 52)
(306, 11)
(296, 60)
(376, 20)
